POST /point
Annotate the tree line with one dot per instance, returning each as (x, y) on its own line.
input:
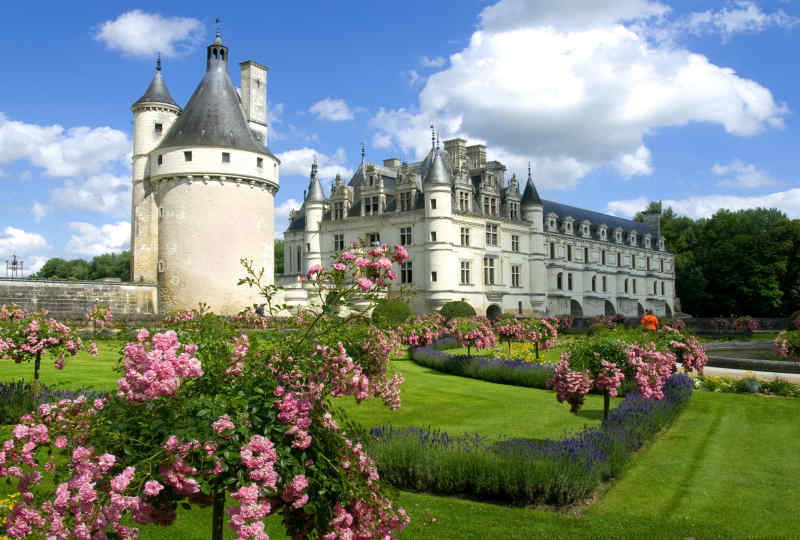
(734, 263)
(110, 265)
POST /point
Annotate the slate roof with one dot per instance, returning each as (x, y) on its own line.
(157, 91)
(530, 196)
(597, 219)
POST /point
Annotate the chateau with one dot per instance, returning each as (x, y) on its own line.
(473, 236)
(204, 184)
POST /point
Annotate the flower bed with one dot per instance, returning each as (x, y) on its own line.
(522, 471)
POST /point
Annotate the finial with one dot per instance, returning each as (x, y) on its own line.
(529, 170)
(158, 62)
(433, 137)
(218, 21)
(363, 151)
(314, 167)
(437, 139)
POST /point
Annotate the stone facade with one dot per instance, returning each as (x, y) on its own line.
(71, 299)
(472, 236)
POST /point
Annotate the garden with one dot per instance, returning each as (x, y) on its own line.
(326, 426)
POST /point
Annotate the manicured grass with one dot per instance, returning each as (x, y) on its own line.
(726, 468)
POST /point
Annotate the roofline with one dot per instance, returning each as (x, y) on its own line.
(253, 62)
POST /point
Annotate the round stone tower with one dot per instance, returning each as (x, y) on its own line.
(214, 182)
(437, 188)
(314, 206)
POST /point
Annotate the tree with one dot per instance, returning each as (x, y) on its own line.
(278, 257)
(117, 265)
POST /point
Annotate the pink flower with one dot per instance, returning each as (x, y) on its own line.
(315, 269)
(152, 488)
(346, 255)
(362, 262)
(92, 350)
(365, 284)
(340, 267)
(223, 423)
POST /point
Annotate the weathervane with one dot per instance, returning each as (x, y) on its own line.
(363, 151)
(433, 137)
(218, 21)
(158, 62)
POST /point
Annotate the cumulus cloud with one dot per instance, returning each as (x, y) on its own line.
(89, 240)
(741, 175)
(39, 210)
(299, 161)
(20, 242)
(435, 62)
(738, 17)
(704, 206)
(413, 77)
(333, 110)
(63, 152)
(282, 210)
(105, 193)
(137, 33)
(592, 92)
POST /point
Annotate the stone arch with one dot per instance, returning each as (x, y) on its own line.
(609, 308)
(493, 312)
(575, 308)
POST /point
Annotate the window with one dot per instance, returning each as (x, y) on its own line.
(619, 236)
(160, 159)
(433, 276)
(338, 242)
(515, 275)
(159, 127)
(662, 264)
(433, 236)
(594, 283)
(465, 236)
(405, 236)
(586, 255)
(160, 266)
(161, 212)
(519, 307)
(655, 288)
(405, 272)
(603, 256)
(662, 288)
(226, 157)
(633, 261)
(486, 205)
(405, 201)
(634, 286)
(433, 204)
(493, 206)
(619, 259)
(297, 254)
(559, 281)
(648, 263)
(569, 281)
(308, 248)
(513, 210)
(374, 238)
(626, 285)
(569, 252)
(338, 210)
(488, 270)
(463, 201)
(491, 235)
(466, 271)
(605, 287)
(371, 206)
(603, 233)
(260, 162)
(514, 243)
(552, 250)
(187, 156)
(552, 224)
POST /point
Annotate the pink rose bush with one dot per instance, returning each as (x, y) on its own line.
(421, 330)
(745, 324)
(472, 332)
(100, 316)
(787, 344)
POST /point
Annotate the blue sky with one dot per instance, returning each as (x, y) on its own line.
(692, 103)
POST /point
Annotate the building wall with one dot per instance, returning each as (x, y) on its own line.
(71, 299)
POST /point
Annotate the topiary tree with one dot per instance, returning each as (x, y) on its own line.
(451, 310)
(391, 313)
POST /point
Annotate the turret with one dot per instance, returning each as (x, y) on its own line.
(153, 116)
(531, 203)
(314, 204)
(438, 192)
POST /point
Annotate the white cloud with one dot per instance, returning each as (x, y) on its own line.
(39, 210)
(282, 210)
(590, 95)
(63, 152)
(334, 110)
(435, 62)
(299, 161)
(105, 193)
(704, 206)
(381, 140)
(89, 240)
(137, 33)
(738, 17)
(740, 175)
(34, 264)
(19, 242)
(413, 77)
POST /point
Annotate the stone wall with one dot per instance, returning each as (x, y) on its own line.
(71, 299)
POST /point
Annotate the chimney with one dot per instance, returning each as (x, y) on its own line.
(254, 98)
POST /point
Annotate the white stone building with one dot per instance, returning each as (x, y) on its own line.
(204, 183)
(472, 236)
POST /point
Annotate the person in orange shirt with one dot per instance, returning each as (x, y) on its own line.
(650, 321)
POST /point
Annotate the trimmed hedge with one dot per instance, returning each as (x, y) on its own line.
(451, 310)
(523, 471)
(391, 312)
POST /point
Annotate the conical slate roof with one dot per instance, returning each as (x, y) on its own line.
(315, 192)
(530, 196)
(214, 116)
(437, 172)
(157, 91)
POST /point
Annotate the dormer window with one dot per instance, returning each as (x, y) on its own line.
(618, 235)
(661, 244)
(647, 241)
(568, 225)
(603, 232)
(633, 238)
(585, 229)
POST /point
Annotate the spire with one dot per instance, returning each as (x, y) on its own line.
(363, 151)
(218, 39)
(157, 91)
(217, 55)
(433, 138)
(315, 192)
(437, 139)
(531, 196)
(437, 172)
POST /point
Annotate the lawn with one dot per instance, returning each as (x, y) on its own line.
(727, 468)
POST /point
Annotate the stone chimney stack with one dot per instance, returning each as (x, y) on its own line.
(254, 98)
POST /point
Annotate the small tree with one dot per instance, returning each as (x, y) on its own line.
(473, 332)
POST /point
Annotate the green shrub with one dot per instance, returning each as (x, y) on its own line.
(451, 310)
(391, 312)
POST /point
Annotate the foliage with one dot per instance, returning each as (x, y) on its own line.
(745, 324)
(523, 471)
(787, 345)
(100, 316)
(391, 313)
(278, 256)
(17, 399)
(116, 265)
(421, 330)
(459, 308)
(472, 332)
(203, 412)
(748, 385)
(527, 352)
